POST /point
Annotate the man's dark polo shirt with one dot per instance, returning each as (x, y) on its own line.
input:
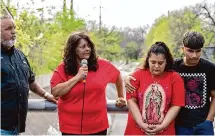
(16, 75)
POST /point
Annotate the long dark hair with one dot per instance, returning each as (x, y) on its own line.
(160, 48)
(70, 57)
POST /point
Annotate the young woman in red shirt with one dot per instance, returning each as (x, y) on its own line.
(158, 96)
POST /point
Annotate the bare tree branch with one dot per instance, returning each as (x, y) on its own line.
(208, 13)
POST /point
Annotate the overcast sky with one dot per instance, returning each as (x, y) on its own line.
(131, 13)
(121, 13)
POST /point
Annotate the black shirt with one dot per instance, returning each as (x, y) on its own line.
(16, 75)
(199, 80)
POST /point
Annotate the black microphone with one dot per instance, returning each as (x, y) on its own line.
(84, 63)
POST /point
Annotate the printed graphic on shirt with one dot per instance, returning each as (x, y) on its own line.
(154, 104)
(195, 85)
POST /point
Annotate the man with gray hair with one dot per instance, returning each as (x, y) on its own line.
(197, 117)
(16, 80)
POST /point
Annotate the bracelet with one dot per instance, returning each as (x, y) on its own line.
(45, 94)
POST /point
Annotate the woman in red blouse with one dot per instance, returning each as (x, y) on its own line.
(158, 97)
(81, 88)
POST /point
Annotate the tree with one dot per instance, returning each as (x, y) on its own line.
(133, 42)
(160, 31)
(107, 40)
(131, 51)
(42, 39)
(170, 29)
(181, 21)
(206, 12)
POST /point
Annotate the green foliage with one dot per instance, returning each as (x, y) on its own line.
(170, 29)
(107, 42)
(131, 51)
(24, 41)
(43, 41)
(56, 36)
(159, 32)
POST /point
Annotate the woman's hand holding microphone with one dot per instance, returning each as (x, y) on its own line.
(82, 72)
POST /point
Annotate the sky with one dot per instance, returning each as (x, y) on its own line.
(132, 13)
(121, 13)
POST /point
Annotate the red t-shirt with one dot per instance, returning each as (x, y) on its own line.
(95, 111)
(155, 95)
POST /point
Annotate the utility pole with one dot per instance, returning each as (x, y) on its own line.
(71, 5)
(64, 6)
(100, 17)
(8, 3)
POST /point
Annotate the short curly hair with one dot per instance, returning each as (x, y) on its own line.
(193, 40)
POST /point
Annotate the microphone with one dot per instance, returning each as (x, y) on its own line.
(84, 63)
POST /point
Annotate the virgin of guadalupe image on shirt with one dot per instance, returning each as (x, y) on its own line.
(154, 99)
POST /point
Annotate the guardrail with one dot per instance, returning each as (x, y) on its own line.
(44, 105)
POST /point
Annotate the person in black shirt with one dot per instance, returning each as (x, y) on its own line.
(197, 117)
(16, 80)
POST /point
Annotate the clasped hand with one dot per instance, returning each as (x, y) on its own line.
(120, 102)
(152, 129)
